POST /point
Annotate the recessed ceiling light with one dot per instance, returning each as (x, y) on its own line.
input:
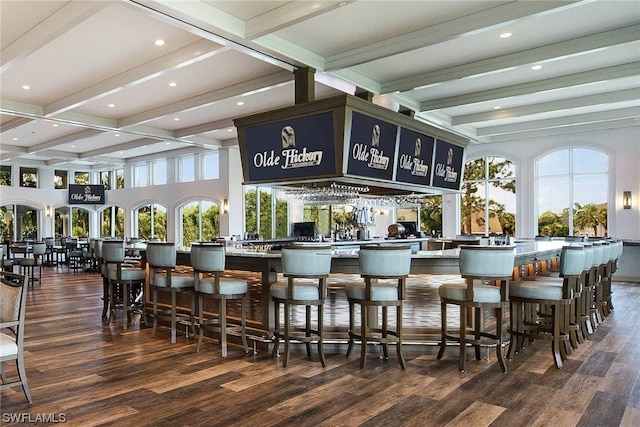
(159, 42)
(177, 119)
(111, 105)
(167, 143)
(26, 87)
(173, 84)
(505, 35)
(116, 135)
(55, 125)
(239, 103)
(229, 130)
(15, 138)
(537, 67)
(73, 146)
(120, 152)
(497, 107)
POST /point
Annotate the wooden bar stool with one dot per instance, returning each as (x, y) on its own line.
(163, 277)
(122, 279)
(479, 265)
(540, 293)
(306, 269)
(385, 270)
(208, 262)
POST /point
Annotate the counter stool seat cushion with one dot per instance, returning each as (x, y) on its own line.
(228, 286)
(8, 346)
(379, 291)
(133, 274)
(458, 292)
(530, 289)
(177, 281)
(301, 291)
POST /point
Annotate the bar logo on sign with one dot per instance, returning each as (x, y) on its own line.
(299, 148)
(372, 145)
(415, 155)
(448, 165)
(86, 194)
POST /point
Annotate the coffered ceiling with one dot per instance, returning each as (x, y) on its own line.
(89, 83)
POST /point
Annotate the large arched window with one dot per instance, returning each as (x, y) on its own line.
(488, 204)
(572, 192)
(72, 221)
(200, 221)
(111, 220)
(18, 222)
(150, 222)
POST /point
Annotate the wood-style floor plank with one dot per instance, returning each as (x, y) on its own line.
(97, 374)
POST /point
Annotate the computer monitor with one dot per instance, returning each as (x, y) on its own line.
(304, 229)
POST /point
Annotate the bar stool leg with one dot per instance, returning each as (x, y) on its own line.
(351, 325)
(222, 319)
(443, 330)
(287, 325)
(463, 338)
(385, 346)
(307, 330)
(400, 356)
(321, 335)
(363, 335)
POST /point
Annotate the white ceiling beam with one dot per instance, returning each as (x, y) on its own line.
(144, 72)
(207, 98)
(503, 62)
(65, 139)
(14, 123)
(70, 14)
(565, 130)
(483, 21)
(288, 14)
(119, 147)
(12, 148)
(544, 107)
(570, 80)
(206, 21)
(600, 116)
(204, 128)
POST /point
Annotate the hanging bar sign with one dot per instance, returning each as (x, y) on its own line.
(372, 147)
(86, 194)
(447, 166)
(299, 147)
(415, 155)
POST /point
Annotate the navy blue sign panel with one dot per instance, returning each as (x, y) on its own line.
(294, 148)
(86, 194)
(415, 155)
(372, 147)
(447, 165)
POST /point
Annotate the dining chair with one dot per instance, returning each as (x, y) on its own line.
(13, 298)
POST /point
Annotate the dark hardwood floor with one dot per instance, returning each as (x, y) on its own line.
(87, 372)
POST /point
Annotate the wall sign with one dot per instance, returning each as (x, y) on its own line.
(415, 156)
(447, 165)
(294, 148)
(86, 194)
(371, 147)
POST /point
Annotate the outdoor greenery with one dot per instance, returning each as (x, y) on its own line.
(159, 223)
(431, 215)
(251, 215)
(590, 219)
(191, 223)
(473, 202)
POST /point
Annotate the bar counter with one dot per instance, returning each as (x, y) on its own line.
(345, 261)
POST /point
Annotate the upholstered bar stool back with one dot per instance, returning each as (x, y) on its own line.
(305, 270)
(122, 279)
(208, 262)
(161, 258)
(478, 266)
(29, 264)
(385, 270)
(558, 297)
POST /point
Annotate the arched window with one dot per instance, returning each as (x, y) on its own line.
(18, 222)
(572, 192)
(111, 220)
(72, 221)
(488, 204)
(150, 222)
(200, 221)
